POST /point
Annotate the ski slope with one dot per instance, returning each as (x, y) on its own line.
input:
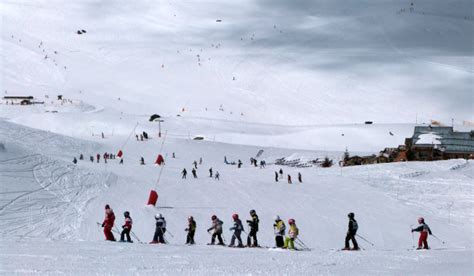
(296, 80)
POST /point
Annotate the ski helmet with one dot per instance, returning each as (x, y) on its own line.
(277, 218)
(252, 212)
(235, 216)
(190, 218)
(421, 220)
(126, 213)
(351, 215)
(158, 216)
(291, 221)
(214, 217)
(107, 206)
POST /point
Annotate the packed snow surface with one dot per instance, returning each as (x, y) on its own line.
(296, 79)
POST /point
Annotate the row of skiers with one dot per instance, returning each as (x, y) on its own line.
(216, 230)
(215, 175)
(106, 157)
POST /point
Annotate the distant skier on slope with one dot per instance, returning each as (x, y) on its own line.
(193, 171)
(160, 229)
(191, 229)
(276, 176)
(237, 228)
(289, 179)
(351, 233)
(184, 173)
(142, 161)
(300, 178)
(281, 173)
(217, 230)
(127, 227)
(279, 228)
(253, 223)
(424, 230)
(98, 157)
(293, 233)
(210, 172)
(217, 175)
(239, 164)
(74, 160)
(108, 223)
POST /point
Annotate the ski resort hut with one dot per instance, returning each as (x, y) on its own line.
(439, 143)
(21, 100)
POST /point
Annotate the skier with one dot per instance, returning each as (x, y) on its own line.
(108, 223)
(217, 175)
(239, 164)
(127, 227)
(98, 158)
(210, 172)
(184, 173)
(136, 135)
(142, 161)
(141, 137)
(74, 160)
(193, 171)
(105, 157)
(237, 228)
(253, 223)
(289, 179)
(81, 157)
(195, 164)
(191, 230)
(200, 160)
(351, 233)
(160, 229)
(276, 176)
(91, 158)
(279, 228)
(217, 230)
(103, 136)
(121, 161)
(174, 156)
(300, 179)
(281, 173)
(292, 235)
(424, 230)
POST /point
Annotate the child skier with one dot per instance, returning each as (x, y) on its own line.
(424, 230)
(191, 230)
(253, 223)
(237, 228)
(160, 229)
(292, 235)
(279, 228)
(108, 223)
(217, 228)
(184, 173)
(127, 227)
(351, 233)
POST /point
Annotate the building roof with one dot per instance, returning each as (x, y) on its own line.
(444, 138)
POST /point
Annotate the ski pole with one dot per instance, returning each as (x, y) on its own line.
(302, 242)
(412, 237)
(171, 234)
(364, 239)
(136, 237)
(438, 239)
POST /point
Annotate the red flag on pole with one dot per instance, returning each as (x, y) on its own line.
(160, 160)
(120, 153)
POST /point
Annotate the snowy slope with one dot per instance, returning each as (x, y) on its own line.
(307, 75)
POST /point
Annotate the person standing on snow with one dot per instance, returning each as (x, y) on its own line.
(142, 161)
(108, 223)
(98, 158)
(253, 223)
(81, 157)
(210, 172)
(160, 229)
(217, 175)
(184, 173)
(300, 179)
(293, 233)
(237, 228)
(239, 164)
(91, 158)
(195, 164)
(217, 228)
(279, 228)
(281, 173)
(74, 160)
(276, 176)
(289, 179)
(193, 171)
(351, 233)
(127, 227)
(424, 230)
(191, 230)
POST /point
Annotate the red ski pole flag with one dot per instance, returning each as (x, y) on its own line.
(153, 198)
(160, 160)
(120, 153)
